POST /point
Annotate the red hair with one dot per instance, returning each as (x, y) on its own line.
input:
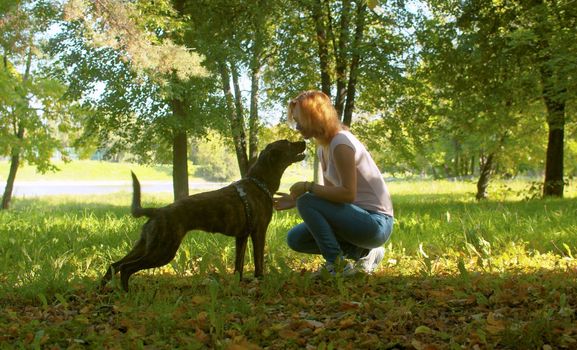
(315, 111)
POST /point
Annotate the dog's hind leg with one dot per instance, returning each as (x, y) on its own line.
(154, 257)
(137, 251)
(240, 251)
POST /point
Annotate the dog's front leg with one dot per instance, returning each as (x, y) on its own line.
(240, 251)
(258, 240)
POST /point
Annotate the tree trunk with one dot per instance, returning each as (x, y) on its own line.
(323, 43)
(253, 118)
(555, 101)
(7, 197)
(355, 61)
(180, 141)
(341, 58)
(179, 154)
(236, 124)
(180, 165)
(259, 52)
(237, 93)
(14, 164)
(457, 157)
(485, 169)
(554, 184)
(19, 133)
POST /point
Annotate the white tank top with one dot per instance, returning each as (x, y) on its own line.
(372, 192)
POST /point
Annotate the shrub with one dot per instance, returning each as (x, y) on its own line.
(215, 159)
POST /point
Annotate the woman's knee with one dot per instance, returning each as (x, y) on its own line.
(292, 240)
(308, 201)
(296, 236)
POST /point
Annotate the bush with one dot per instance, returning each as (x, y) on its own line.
(215, 159)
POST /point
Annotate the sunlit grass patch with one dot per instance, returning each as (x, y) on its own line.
(457, 273)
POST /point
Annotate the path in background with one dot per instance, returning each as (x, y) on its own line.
(47, 188)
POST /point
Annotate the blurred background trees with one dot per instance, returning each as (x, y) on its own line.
(437, 88)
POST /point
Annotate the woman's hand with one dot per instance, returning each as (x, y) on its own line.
(288, 201)
(283, 201)
(298, 189)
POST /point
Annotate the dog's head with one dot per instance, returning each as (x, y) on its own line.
(278, 155)
(284, 152)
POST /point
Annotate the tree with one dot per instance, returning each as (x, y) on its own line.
(472, 76)
(236, 37)
(332, 46)
(33, 109)
(509, 55)
(150, 37)
(337, 30)
(553, 51)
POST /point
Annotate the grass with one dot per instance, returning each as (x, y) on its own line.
(499, 274)
(89, 170)
(83, 170)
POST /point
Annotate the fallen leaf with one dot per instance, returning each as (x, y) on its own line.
(243, 345)
(199, 300)
(417, 344)
(347, 322)
(494, 325)
(314, 324)
(351, 305)
(288, 334)
(423, 330)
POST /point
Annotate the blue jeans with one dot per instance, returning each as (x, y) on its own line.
(337, 229)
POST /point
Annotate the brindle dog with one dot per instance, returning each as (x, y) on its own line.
(241, 209)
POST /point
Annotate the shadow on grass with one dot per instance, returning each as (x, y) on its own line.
(196, 302)
(289, 310)
(98, 205)
(514, 310)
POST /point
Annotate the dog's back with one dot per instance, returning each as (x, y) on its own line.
(211, 211)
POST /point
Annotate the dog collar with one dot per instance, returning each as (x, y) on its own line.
(243, 196)
(242, 192)
(261, 185)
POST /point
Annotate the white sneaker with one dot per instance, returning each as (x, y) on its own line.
(327, 269)
(370, 262)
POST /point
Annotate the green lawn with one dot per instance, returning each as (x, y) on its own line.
(89, 170)
(458, 274)
(85, 170)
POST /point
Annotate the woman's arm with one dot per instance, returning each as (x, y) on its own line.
(344, 159)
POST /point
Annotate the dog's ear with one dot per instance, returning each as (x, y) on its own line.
(272, 157)
(252, 162)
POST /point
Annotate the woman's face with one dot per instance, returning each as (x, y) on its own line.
(305, 131)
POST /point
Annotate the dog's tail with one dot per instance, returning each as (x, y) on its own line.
(137, 209)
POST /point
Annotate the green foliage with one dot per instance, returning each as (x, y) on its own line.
(137, 31)
(130, 111)
(36, 116)
(438, 90)
(129, 64)
(216, 158)
(488, 67)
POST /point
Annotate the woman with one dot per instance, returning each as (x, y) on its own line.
(351, 214)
